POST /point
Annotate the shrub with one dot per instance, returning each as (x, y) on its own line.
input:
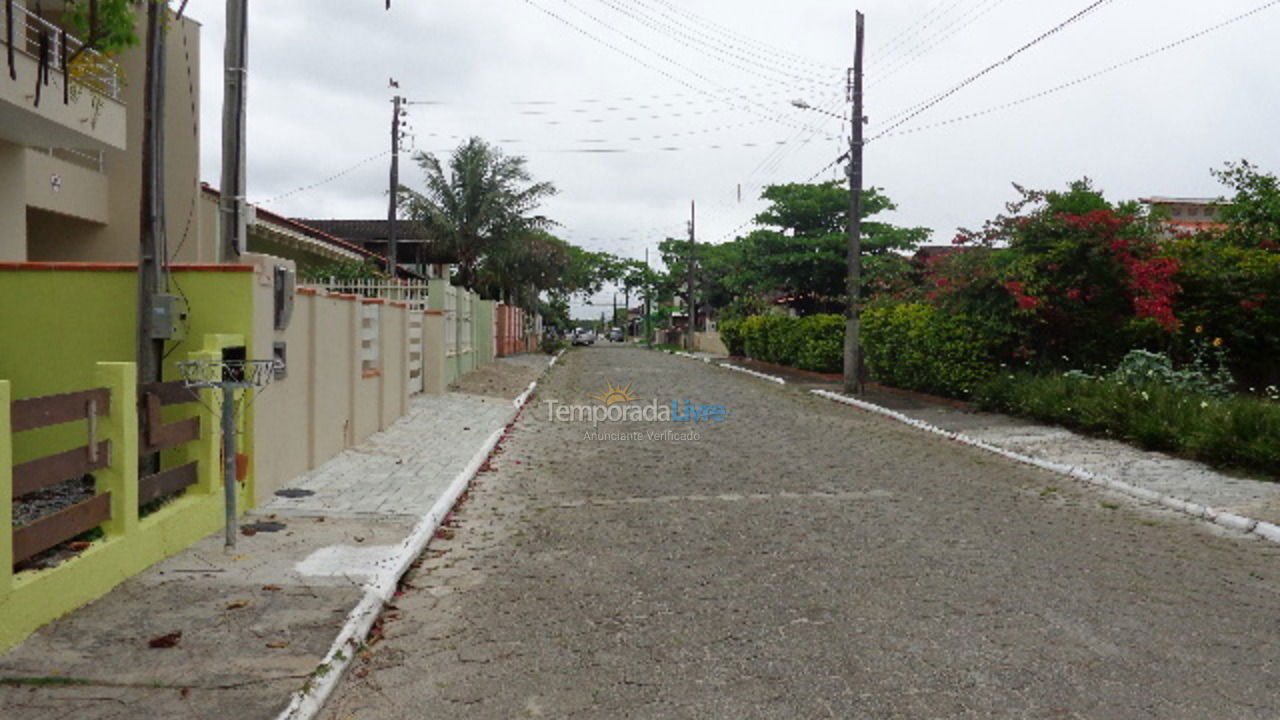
(821, 340)
(812, 343)
(731, 335)
(917, 347)
(1240, 432)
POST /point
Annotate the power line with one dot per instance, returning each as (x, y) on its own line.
(1002, 61)
(894, 45)
(703, 39)
(937, 40)
(327, 180)
(1085, 78)
(731, 33)
(646, 47)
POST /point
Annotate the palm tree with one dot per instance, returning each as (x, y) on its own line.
(484, 201)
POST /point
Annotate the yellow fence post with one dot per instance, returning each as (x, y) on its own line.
(6, 493)
(120, 478)
(206, 450)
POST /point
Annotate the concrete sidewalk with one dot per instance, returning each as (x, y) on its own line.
(1254, 498)
(256, 623)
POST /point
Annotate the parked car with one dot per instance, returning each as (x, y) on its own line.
(615, 335)
(584, 336)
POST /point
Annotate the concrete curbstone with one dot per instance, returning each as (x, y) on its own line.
(307, 702)
(1265, 530)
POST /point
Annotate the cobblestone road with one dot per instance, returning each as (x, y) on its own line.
(804, 559)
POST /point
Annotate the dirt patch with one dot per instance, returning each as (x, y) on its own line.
(505, 378)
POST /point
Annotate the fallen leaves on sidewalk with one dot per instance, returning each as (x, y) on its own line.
(166, 641)
(238, 604)
(278, 644)
(271, 588)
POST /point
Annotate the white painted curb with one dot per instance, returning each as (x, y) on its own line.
(1264, 530)
(753, 373)
(306, 704)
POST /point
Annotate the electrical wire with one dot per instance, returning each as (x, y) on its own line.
(1002, 61)
(780, 52)
(592, 36)
(325, 181)
(743, 59)
(889, 49)
(1090, 76)
(934, 41)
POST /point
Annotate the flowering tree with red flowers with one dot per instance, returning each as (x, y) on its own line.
(1073, 279)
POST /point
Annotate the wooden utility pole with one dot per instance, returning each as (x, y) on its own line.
(392, 257)
(151, 260)
(234, 71)
(852, 340)
(693, 247)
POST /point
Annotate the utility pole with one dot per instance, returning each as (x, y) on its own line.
(693, 246)
(613, 319)
(392, 258)
(852, 340)
(150, 350)
(234, 62)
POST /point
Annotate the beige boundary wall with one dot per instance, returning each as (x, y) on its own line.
(348, 368)
(346, 377)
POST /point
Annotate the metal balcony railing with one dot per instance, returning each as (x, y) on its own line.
(91, 69)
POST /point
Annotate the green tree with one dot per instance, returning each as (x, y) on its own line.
(1253, 215)
(107, 26)
(803, 250)
(478, 205)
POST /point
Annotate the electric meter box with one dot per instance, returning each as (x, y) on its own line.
(169, 318)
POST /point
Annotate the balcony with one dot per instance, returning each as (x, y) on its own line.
(89, 114)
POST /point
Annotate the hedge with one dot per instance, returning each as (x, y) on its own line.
(812, 343)
(1239, 432)
(914, 346)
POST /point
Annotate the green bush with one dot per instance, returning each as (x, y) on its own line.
(918, 347)
(812, 343)
(822, 343)
(1242, 432)
(731, 335)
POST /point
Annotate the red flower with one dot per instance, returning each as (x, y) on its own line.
(1075, 294)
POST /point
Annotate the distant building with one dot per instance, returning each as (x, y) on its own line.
(1182, 214)
(414, 249)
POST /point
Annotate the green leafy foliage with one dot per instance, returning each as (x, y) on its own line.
(1241, 432)
(107, 26)
(815, 342)
(917, 347)
(732, 336)
(1253, 213)
(480, 205)
(802, 252)
(353, 270)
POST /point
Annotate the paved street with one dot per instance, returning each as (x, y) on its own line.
(804, 559)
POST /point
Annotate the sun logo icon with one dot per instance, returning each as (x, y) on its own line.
(615, 395)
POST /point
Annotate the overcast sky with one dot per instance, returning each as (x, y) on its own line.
(633, 108)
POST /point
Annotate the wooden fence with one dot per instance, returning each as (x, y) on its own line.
(103, 434)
